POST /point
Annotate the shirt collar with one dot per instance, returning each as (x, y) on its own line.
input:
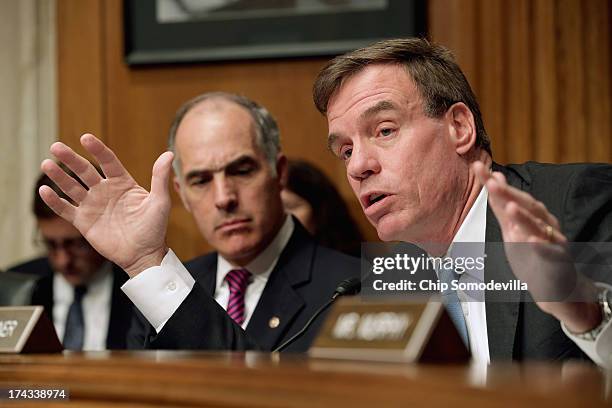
(472, 232)
(264, 263)
(473, 228)
(63, 291)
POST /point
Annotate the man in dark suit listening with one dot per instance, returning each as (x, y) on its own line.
(79, 289)
(267, 272)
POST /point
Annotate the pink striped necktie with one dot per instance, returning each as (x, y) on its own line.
(238, 280)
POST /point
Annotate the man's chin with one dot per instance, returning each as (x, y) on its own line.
(75, 280)
(239, 250)
(387, 235)
(388, 231)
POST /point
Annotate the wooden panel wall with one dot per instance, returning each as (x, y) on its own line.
(541, 69)
(131, 109)
(81, 69)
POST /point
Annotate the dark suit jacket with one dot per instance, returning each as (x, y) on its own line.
(121, 306)
(580, 196)
(303, 279)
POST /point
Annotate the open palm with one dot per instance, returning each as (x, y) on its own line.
(120, 219)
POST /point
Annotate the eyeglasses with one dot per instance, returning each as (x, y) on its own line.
(74, 246)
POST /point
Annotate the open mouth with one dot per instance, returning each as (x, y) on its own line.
(373, 198)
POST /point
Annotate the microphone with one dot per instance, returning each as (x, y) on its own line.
(347, 287)
(350, 286)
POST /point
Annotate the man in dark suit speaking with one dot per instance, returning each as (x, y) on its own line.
(267, 272)
(405, 122)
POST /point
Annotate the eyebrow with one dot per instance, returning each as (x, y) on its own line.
(368, 113)
(379, 107)
(331, 139)
(236, 162)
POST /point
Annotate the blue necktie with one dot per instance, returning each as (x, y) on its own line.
(452, 303)
(75, 324)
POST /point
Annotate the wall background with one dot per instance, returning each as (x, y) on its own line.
(541, 69)
(28, 117)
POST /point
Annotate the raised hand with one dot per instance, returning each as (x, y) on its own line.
(537, 252)
(121, 220)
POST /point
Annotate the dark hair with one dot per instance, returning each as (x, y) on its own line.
(42, 210)
(335, 228)
(433, 69)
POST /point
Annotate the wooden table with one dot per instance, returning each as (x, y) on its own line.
(185, 379)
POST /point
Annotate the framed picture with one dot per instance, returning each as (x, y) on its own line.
(179, 31)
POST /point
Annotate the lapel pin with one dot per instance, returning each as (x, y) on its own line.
(274, 322)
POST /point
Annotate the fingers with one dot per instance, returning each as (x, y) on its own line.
(67, 184)
(482, 172)
(501, 192)
(81, 167)
(529, 228)
(518, 211)
(160, 174)
(110, 164)
(59, 205)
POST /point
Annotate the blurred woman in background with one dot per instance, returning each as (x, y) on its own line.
(312, 198)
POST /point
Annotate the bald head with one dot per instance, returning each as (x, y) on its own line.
(264, 127)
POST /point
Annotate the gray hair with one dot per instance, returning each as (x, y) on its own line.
(267, 135)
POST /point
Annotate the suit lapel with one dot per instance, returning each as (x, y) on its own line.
(280, 302)
(43, 295)
(502, 317)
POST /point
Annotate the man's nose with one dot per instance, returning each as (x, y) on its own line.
(226, 198)
(362, 163)
(61, 258)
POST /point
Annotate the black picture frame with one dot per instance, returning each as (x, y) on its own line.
(149, 42)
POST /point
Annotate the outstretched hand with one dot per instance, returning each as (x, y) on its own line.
(537, 252)
(124, 222)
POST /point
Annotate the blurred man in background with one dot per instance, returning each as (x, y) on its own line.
(78, 287)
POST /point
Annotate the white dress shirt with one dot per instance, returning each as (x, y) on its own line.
(96, 305)
(159, 291)
(599, 350)
(260, 268)
(473, 229)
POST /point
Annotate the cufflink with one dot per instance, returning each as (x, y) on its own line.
(274, 322)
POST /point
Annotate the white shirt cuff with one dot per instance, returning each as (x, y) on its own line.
(600, 349)
(159, 291)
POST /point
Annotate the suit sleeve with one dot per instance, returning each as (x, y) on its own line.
(588, 213)
(178, 313)
(588, 205)
(140, 329)
(201, 324)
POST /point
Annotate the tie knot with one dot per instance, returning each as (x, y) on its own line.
(238, 280)
(79, 292)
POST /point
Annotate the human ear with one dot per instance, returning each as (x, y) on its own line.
(176, 183)
(282, 170)
(462, 128)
